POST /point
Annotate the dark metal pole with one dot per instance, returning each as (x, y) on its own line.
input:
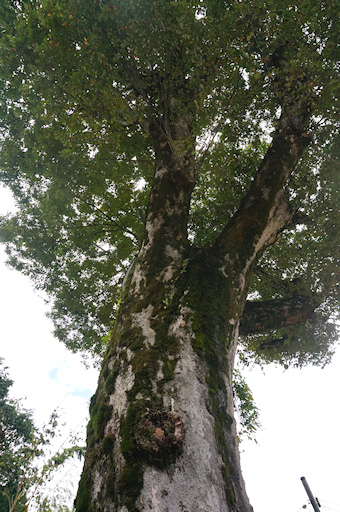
(310, 495)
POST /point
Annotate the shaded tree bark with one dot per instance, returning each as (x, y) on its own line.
(263, 316)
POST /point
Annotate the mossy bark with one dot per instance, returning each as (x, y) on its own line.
(162, 434)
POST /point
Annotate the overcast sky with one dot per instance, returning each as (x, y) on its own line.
(299, 409)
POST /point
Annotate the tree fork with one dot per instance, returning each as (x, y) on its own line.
(162, 431)
(162, 428)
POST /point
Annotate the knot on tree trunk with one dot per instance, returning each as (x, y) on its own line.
(159, 436)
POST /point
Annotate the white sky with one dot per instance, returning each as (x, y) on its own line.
(300, 411)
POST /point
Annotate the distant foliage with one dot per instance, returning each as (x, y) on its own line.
(247, 413)
(27, 458)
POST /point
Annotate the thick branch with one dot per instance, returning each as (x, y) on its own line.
(266, 316)
(264, 211)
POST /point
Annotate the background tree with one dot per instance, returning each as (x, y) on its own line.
(192, 147)
(16, 435)
(26, 464)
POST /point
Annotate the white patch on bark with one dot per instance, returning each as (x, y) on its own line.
(118, 400)
(223, 270)
(161, 172)
(181, 196)
(170, 210)
(172, 253)
(179, 327)
(167, 274)
(137, 278)
(160, 374)
(228, 263)
(265, 193)
(175, 256)
(98, 479)
(152, 225)
(142, 320)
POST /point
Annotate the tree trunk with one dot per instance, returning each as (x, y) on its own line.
(162, 434)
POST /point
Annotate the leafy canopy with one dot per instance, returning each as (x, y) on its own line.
(81, 84)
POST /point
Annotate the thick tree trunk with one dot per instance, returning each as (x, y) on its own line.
(162, 435)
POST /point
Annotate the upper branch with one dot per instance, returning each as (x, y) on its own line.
(264, 211)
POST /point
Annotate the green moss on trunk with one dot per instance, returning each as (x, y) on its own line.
(147, 430)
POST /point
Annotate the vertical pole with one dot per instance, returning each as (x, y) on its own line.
(310, 495)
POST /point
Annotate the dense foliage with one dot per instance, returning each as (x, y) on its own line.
(82, 85)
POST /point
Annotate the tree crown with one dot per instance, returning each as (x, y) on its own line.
(85, 88)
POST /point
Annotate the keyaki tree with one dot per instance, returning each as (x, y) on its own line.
(175, 170)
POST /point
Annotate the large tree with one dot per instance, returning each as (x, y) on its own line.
(174, 164)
